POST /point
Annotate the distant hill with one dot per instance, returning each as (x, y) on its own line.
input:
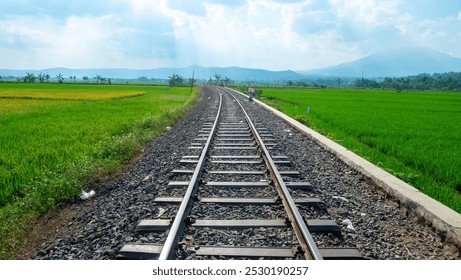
(393, 63)
(200, 73)
(234, 73)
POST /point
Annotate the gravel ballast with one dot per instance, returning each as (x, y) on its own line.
(98, 227)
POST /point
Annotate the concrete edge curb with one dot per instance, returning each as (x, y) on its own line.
(443, 219)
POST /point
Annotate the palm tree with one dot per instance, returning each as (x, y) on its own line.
(41, 77)
(175, 80)
(30, 78)
(227, 81)
(98, 78)
(172, 80)
(217, 78)
(60, 78)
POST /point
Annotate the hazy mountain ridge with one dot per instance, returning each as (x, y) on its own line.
(393, 63)
(199, 72)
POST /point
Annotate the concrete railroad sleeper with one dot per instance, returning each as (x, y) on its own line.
(235, 133)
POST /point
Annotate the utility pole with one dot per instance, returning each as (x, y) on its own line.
(192, 81)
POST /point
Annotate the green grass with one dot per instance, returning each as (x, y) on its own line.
(57, 138)
(416, 136)
(67, 91)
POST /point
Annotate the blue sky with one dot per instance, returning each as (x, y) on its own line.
(269, 34)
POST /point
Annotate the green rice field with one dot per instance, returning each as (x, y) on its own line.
(56, 138)
(416, 136)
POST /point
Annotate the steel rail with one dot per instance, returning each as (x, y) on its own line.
(298, 220)
(172, 238)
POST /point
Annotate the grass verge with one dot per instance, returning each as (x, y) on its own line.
(54, 148)
(414, 136)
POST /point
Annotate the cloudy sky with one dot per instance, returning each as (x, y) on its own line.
(270, 34)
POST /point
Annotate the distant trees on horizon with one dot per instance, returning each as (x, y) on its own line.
(42, 77)
(445, 82)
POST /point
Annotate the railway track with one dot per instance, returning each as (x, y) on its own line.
(236, 196)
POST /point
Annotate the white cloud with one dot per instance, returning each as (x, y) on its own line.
(96, 38)
(81, 42)
(78, 41)
(366, 13)
(257, 34)
(269, 34)
(439, 34)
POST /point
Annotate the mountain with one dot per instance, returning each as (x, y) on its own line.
(390, 63)
(200, 73)
(234, 73)
(393, 63)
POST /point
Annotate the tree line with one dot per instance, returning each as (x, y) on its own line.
(176, 80)
(42, 78)
(445, 82)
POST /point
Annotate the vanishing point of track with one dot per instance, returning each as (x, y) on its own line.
(230, 169)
